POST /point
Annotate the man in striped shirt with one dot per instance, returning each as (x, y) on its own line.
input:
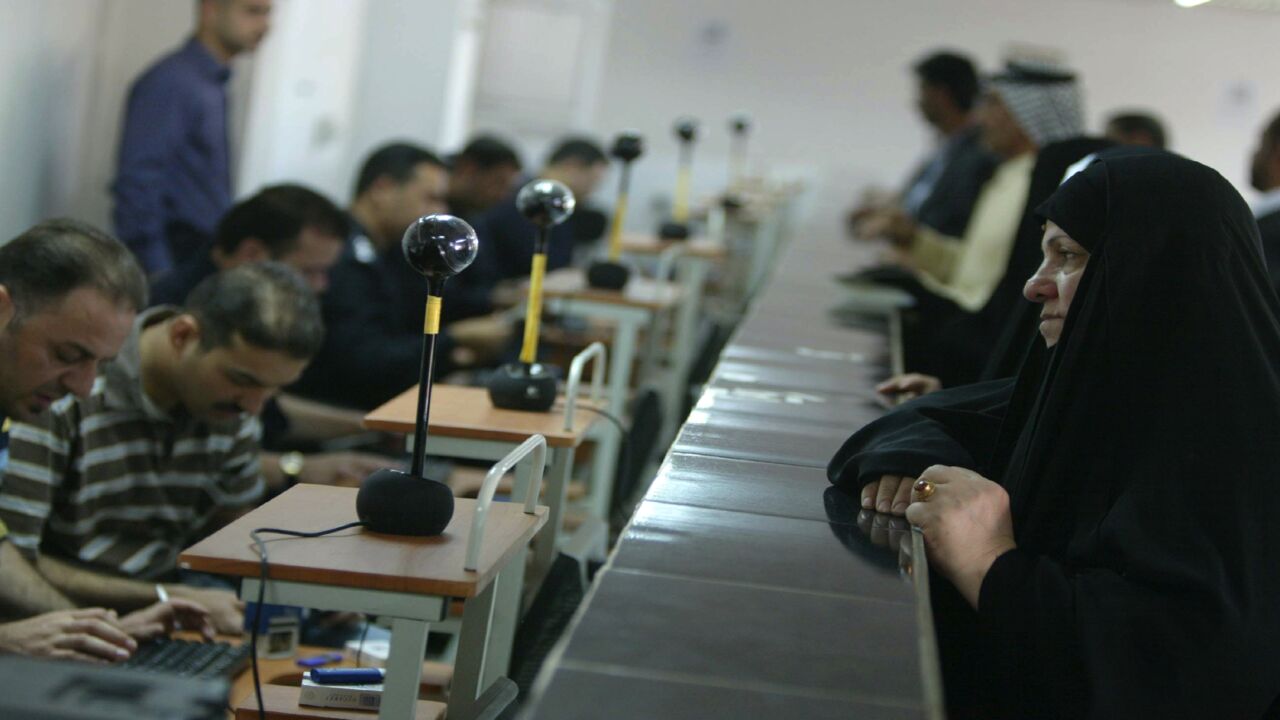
(107, 490)
(68, 295)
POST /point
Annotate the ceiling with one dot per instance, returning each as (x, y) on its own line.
(1257, 5)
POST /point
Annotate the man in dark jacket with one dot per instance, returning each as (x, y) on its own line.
(942, 191)
(1266, 179)
(374, 307)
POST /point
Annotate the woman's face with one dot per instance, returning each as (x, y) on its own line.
(1054, 284)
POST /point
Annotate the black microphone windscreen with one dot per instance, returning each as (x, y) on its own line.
(397, 503)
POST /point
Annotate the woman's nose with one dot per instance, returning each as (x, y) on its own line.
(1039, 289)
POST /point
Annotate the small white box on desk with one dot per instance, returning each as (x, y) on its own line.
(350, 697)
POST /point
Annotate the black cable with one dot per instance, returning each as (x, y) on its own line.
(624, 445)
(260, 546)
(364, 630)
(622, 429)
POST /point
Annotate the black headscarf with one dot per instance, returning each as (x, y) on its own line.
(1006, 326)
(957, 345)
(1140, 465)
(924, 432)
(1012, 323)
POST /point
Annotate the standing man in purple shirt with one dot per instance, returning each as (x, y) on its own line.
(173, 181)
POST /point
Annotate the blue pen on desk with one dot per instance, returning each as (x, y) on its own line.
(318, 660)
(347, 676)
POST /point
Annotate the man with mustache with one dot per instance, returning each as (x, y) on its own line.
(68, 296)
(104, 492)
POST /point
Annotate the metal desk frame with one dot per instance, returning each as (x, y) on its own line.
(488, 622)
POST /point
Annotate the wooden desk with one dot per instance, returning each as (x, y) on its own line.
(466, 412)
(465, 424)
(701, 247)
(408, 579)
(642, 303)
(693, 265)
(640, 292)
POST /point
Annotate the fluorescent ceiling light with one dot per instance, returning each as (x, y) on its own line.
(1190, 3)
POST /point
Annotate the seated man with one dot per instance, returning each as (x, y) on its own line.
(480, 176)
(1023, 109)
(290, 224)
(1264, 175)
(506, 237)
(375, 304)
(943, 189)
(1137, 128)
(105, 492)
(300, 228)
(68, 297)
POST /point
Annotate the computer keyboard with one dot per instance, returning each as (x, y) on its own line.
(190, 658)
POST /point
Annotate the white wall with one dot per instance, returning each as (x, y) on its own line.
(540, 69)
(827, 81)
(829, 84)
(404, 76)
(44, 85)
(125, 38)
(302, 115)
(65, 67)
(332, 80)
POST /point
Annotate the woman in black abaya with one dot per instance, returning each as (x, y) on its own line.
(1111, 552)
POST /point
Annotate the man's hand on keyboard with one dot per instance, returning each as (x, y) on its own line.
(225, 609)
(90, 634)
(164, 617)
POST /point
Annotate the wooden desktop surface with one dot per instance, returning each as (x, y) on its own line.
(466, 412)
(702, 247)
(640, 292)
(359, 558)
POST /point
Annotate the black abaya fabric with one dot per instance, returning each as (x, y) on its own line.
(957, 426)
(1139, 456)
(1140, 466)
(1007, 325)
(1011, 324)
(961, 347)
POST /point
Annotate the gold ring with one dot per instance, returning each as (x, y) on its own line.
(922, 489)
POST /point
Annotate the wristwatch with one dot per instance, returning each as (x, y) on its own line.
(291, 467)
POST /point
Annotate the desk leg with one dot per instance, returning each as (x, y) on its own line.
(658, 330)
(545, 543)
(469, 664)
(506, 616)
(693, 273)
(605, 461)
(404, 669)
(897, 362)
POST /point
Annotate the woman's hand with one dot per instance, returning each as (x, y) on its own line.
(883, 530)
(966, 524)
(890, 494)
(901, 388)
